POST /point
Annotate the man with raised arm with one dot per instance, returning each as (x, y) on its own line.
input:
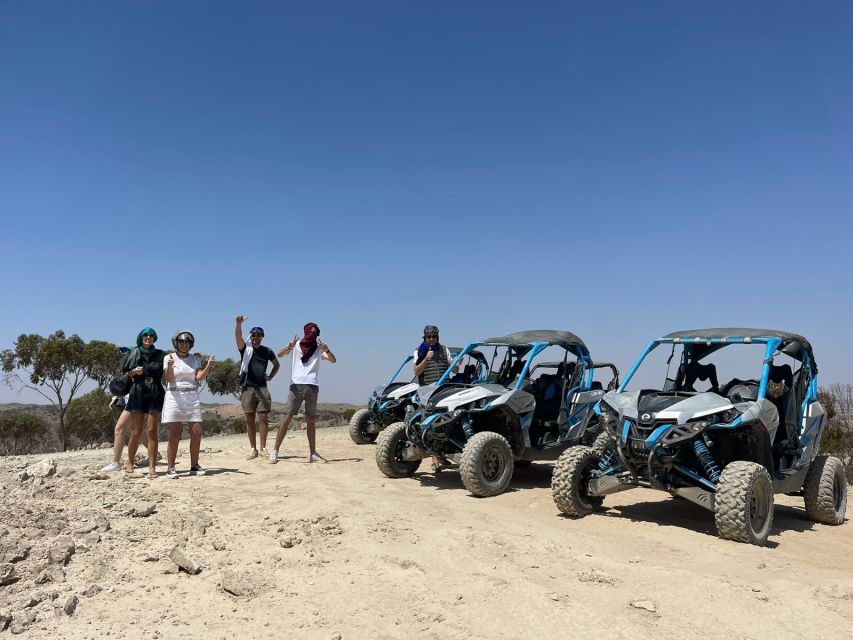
(254, 396)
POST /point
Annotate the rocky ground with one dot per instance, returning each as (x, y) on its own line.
(337, 550)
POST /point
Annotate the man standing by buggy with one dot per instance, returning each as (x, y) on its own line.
(254, 396)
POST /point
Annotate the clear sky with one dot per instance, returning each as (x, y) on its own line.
(617, 169)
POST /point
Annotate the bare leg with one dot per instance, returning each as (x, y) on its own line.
(263, 418)
(195, 442)
(174, 439)
(122, 423)
(136, 422)
(282, 431)
(250, 427)
(309, 425)
(153, 423)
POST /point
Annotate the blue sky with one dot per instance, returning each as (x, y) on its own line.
(617, 169)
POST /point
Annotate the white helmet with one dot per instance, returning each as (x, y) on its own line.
(183, 334)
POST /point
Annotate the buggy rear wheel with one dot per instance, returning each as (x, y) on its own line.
(486, 464)
(358, 427)
(389, 451)
(825, 490)
(743, 504)
(569, 482)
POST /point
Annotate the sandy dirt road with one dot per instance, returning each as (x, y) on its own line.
(339, 551)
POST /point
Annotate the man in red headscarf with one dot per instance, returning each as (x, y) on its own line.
(304, 386)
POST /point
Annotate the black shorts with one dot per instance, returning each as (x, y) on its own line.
(145, 398)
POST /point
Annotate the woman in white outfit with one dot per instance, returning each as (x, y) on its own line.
(182, 404)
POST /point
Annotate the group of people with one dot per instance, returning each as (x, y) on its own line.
(164, 386)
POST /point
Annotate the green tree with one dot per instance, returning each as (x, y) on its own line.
(56, 367)
(837, 438)
(90, 418)
(21, 432)
(224, 378)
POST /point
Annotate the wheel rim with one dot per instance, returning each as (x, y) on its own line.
(494, 462)
(759, 506)
(398, 450)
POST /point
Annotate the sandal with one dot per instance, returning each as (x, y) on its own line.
(436, 467)
(152, 475)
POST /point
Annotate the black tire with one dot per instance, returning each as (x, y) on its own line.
(825, 490)
(486, 464)
(358, 425)
(743, 504)
(388, 447)
(569, 482)
(601, 443)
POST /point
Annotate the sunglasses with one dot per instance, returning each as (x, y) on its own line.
(431, 336)
(184, 340)
(147, 335)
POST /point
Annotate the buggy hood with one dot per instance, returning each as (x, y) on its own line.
(666, 405)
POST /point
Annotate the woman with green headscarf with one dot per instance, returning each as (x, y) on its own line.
(144, 364)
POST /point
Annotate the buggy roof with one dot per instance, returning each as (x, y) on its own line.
(791, 342)
(565, 339)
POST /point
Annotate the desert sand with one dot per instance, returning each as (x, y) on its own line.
(299, 550)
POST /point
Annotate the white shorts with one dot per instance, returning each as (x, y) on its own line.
(181, 406)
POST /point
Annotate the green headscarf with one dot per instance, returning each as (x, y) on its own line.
(145, 331)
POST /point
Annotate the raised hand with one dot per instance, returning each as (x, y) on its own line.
(241, 319)
(322, 345)
(293, 342)
(210, 362)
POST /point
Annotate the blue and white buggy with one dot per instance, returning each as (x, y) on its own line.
(728, 448)
(392, 402)
(517, 412)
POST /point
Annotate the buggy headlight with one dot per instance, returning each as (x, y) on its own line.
(457, 413)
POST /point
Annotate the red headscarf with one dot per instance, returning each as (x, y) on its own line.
(308, 344)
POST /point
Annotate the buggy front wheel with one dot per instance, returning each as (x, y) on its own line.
(743, 504)
(389, 453)
(358, 427)
(570, 480)
(486, 464)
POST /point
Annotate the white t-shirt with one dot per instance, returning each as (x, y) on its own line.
(184, 371)
(305, 373)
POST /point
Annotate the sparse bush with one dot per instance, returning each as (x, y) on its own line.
(212, 425)
(347, 414)
(21, 432)
(90, 419)
(837, 438)
(238, 424)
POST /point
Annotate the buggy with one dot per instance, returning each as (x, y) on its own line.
(392, 402)
(518, 413)
(728, 448)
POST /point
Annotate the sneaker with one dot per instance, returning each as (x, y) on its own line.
(197, 469)
(316, 457)
(264, 452)
(112, 466)
(274, 457)
(252, 454)
(171, 472)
